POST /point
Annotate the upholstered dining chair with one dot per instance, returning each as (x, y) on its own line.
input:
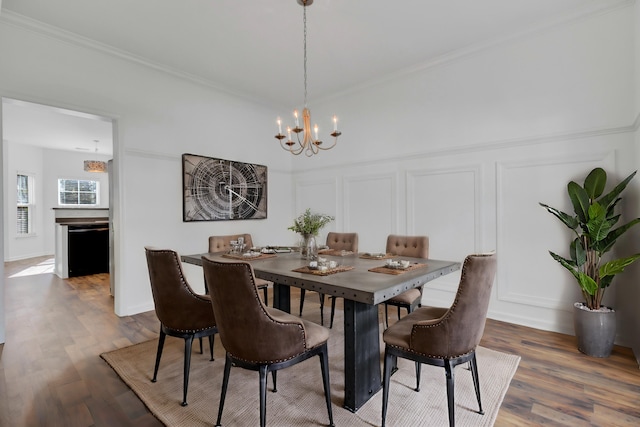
(223, 244)
(409, 246)
(257, 337)
(338, 242)
(444, 337)
(182, 312)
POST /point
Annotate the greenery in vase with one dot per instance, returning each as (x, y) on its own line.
(310, 223)
(593, 221)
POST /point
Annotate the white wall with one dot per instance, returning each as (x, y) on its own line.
(158, 117)
(633, 297)
(465, 150)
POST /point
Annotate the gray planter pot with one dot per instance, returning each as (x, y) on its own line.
(595, 330)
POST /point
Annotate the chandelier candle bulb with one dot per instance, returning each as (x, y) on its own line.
(315, 129)
(335, 123)
(295, 114)
(280, 126)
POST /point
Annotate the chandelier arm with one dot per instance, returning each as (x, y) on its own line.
(335, 141)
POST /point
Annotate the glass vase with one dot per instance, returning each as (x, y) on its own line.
(309, 248)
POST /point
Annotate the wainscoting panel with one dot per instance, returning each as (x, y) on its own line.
(444, 204)
(320, 196)
(371, 201)
(536, 279)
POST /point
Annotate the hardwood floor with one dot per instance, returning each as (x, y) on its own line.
(51, 373)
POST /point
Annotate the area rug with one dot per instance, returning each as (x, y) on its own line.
(299, 400)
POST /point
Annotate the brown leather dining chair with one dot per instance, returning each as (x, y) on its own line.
(257, 337)
(409, 246)
(338, 242)
(444, 337)
(182, 312)
(223, 244)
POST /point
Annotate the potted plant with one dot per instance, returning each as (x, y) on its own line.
(593, 223)
(308, 225)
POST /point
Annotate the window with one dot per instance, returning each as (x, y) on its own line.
(24, 204)
(78, 192)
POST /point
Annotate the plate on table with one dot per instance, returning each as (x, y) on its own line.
(374, 255)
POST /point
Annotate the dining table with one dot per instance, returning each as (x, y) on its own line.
(363, 281)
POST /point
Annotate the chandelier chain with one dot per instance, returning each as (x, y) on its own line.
(304, 20)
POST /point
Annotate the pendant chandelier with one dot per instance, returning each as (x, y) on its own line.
(308, 143)
(96, 166)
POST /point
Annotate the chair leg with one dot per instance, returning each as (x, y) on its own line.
(324, 368)
(398, 312)
(476, 381)
(201, 350)
(263, 395)
(273, 377)
(386, 315)
(223, 391)
(158, 354)
(266, 297)
(333, 310)
(188, 343)
(302, 292)
(388, 362)
(211, 338)
(418, 368)
(321, 308)
(450, 392)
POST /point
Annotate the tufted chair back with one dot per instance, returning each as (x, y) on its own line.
(248, 329)
(222, 243)
(177, 305)
(343, 241)
(460, 328)
(411, 246)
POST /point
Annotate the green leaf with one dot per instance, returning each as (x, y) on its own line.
(579, 199)
(578, 254)
(605, 281)
(608, 198)
(616, 266)
(597, 225)
(607, 243)
(566, 263)
(595, 182)
(569, 221)
(587, 283)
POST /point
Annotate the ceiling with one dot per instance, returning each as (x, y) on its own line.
(254, 48)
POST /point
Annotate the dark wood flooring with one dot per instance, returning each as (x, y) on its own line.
(51, 373)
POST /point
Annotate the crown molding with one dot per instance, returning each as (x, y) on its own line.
(593, 9)
(58, 34)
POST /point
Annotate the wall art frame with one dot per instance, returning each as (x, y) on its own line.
(222, 190)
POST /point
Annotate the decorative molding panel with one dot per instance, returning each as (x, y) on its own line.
(537, 280)
(445, 204)
(372, 199)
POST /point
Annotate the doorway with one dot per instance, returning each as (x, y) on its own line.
(50, 144)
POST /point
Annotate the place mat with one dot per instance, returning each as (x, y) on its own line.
(387, 270)
(249, 258)
(338, 269)
(334, 252)
(367, 255)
